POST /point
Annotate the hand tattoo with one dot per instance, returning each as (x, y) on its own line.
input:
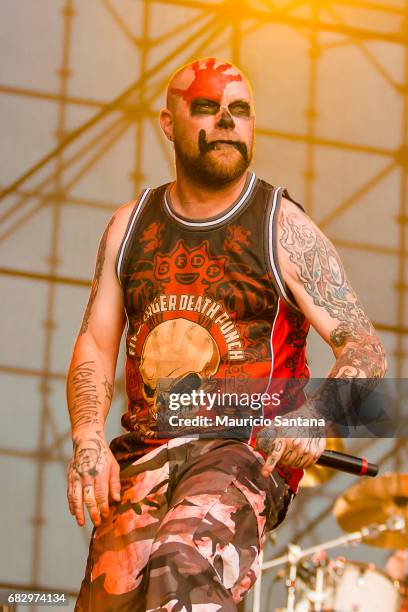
(89, 456)
(266, 441)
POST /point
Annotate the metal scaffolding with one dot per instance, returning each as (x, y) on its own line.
(53, 182)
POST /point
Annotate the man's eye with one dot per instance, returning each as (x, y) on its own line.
(204, 107)
(240, 109)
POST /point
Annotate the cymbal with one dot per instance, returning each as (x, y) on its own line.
(376, 501)
(317, 474)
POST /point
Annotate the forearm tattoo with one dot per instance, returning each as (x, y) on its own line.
(85, 403)
(95, 283)
(108, 389)
(362, 357)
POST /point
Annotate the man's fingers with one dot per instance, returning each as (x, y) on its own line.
(296, 452)
(74, 496)
(319, 446)
(308, 452)
(305, 462)
(70, 489)
(101, 492)
(270, 463)
(273, 457)
(70, 497)
(114, 481)
(77, 502)
(313, 449)
(90, 502)
(302, 456)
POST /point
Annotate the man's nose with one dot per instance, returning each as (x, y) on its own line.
(225, 120)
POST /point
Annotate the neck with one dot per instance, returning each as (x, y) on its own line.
(196, 201)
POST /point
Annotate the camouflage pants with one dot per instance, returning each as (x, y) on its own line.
(187, 532)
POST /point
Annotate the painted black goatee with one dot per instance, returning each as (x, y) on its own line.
(205, 146)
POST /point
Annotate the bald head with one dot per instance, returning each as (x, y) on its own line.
(205, 78)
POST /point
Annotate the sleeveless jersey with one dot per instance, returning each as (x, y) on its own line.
(204, 300)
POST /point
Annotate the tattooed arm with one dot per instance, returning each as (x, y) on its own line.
(315, 275)
(93, 472)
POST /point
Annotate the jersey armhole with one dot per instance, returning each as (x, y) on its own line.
(285, 194)
(271, 245)
(123, 248)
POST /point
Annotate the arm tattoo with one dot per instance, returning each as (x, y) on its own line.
(361, 360)
(320, 270)
(362, 357)
(85, 401)
(108, 389)
(321, 273)
(98, 271)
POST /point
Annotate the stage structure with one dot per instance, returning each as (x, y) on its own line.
(79, 106)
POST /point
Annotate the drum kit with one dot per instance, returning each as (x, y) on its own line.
(373, 512)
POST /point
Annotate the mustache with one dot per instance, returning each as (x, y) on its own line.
(206, 146)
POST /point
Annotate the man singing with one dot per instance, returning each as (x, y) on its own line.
(218, 276)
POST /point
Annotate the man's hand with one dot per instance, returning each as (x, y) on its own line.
(294, 452)
(93, 475)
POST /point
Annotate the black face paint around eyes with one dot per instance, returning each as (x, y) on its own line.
(203, 108)
(240, 109)
(205, 146)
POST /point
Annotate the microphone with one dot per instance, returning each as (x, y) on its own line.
(347, 463)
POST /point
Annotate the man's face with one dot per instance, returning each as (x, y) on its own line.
(213, 122)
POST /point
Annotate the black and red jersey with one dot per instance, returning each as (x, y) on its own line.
(205, 299)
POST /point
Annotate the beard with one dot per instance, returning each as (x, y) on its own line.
(205, 169)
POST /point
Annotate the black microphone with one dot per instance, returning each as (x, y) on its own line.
(347, 463)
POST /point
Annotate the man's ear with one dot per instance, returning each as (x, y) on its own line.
(166, 123)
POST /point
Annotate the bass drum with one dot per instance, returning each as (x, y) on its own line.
(362, 587)
(350, 586)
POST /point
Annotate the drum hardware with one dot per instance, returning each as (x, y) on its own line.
(294, 553)
(346, 540)
(396, 523)
(321, 583)
(318, 594)
(348, 586)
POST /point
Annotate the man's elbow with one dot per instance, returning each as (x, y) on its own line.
(378, 356)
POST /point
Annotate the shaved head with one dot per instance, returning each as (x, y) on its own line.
(203, 78)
